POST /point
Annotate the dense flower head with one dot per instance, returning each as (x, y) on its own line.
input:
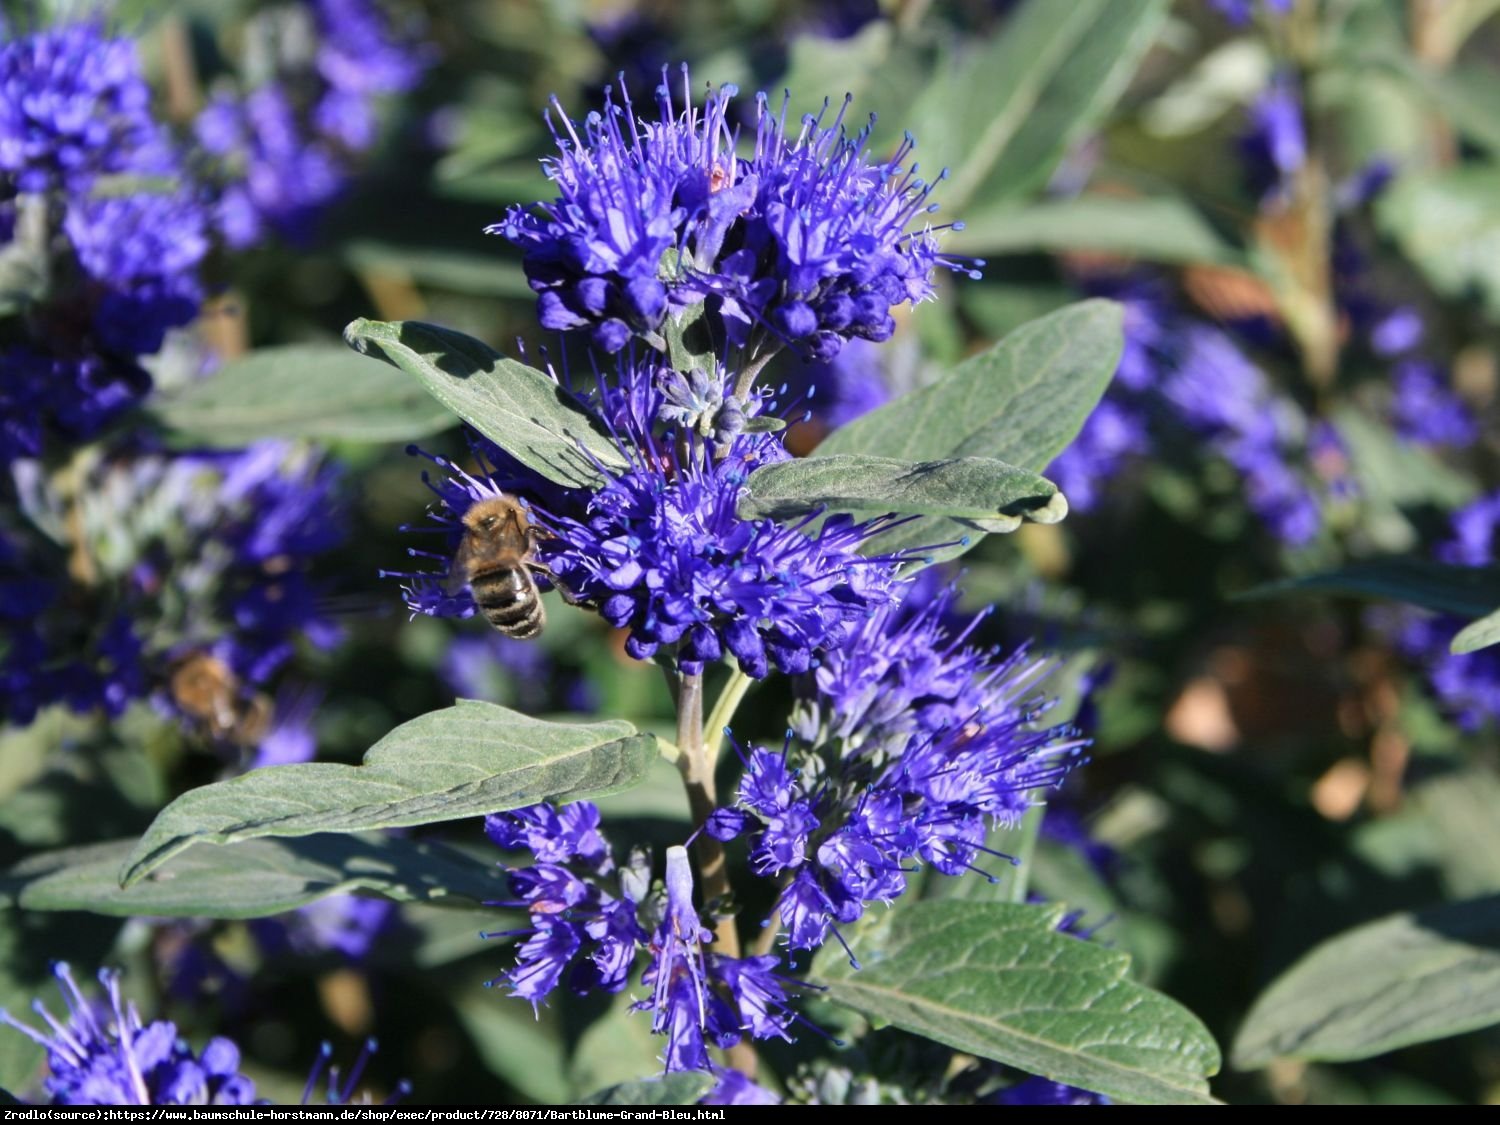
(912, 743)
(1275, 145)
(806, 242)
(190, 574)
(107, 1056)
(141, 254)
(104, 224)
(73, 106)
(660, 550)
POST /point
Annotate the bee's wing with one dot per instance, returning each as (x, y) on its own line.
(458, 574)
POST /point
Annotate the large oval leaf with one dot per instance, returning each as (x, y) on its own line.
(1021, 402)
(467, 760)
(968, 488)
(1404, 979)
(519, 408)
(300, 391)
(252, 879)
(999, 981)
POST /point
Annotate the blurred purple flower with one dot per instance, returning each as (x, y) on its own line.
(1426, 412)
(107, 1056)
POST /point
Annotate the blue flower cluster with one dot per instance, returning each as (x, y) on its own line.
(188, 578)
(100, 223)
(909, 744)
(1179, 376)
(108, 1056)
(591, 920)
(111, 1058)
(807, 242)
(914, 743)
(283, 148)
(659, 548)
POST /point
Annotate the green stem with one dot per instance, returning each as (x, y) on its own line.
(723, 712)
(697, 770)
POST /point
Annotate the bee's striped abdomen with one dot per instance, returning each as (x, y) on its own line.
(510, 602)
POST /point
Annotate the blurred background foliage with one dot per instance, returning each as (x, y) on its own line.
(1268, 769)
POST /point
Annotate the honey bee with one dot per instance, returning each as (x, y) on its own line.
(495, 562)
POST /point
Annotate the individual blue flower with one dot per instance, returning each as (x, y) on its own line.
(806, 242)
(1220, 394)
(107, 1056)
(1467, 685)
(659, 548)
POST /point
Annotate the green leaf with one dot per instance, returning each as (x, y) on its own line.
(300, 391)
(1159, 229)
(252, 879)
(466, 760)
(525, 1049)
(1464, 590)
(1477, 635)
(997, 495)
(1022, 401)
(682, 1088)
(1408, 978)
(1448, 223)
(517, 407)
(1002, 116)
(997, 980)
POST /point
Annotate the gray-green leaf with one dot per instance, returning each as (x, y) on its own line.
(1003, 115)
(1405, 979)
(519, 408)
(1477, 635)
(1161, 229)
(252, 879)
(300, 391)
(999, 981)
(466, 760)
(968, 488)
(1468, 591)
(1022, 401)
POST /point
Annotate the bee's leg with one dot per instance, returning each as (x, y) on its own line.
(557, 584)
